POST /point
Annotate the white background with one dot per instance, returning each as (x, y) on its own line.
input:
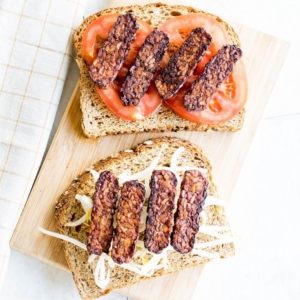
(265, 207)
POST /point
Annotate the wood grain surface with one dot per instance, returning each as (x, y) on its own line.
(71, 153)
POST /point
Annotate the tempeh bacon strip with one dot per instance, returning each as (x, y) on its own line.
(215, 72)
(183, 63)
(160, 210)
(191, 200)
(128, 220)
(112, 54)
(145, 65)
(104, 203)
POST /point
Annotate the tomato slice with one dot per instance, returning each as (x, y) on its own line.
(226, 103)
(99, 29)
(231, 96)
(148, 103)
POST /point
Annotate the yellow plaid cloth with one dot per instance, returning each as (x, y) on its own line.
(35, 52)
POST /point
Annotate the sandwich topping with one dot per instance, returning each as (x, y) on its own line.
(131, 229)
(104, 204)
(215, 72)
(112, 54)
(231, 95)
(191, 200)
(128, 221)
(160, 210)
(183, 63)
(193, 40)
(98, 30)
(148, 59)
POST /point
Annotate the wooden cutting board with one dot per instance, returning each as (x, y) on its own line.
(71, 153)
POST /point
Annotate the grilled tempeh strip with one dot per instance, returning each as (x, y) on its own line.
(183, 63)
(191, 200)
(112, 54)
(145, 65)
(128, 220)
(160, 210)
(215, 72)
(104, 204)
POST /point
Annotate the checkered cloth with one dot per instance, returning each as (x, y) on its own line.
(35, 52)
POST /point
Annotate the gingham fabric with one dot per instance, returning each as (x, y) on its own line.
(35, 52)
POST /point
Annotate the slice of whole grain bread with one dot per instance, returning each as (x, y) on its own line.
(136, 159)
(98, 120)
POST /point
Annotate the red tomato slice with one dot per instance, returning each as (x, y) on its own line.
(231, 96)
(111, 95)
(179, 28)
(101, 27)
(148, 103)
(226, 103)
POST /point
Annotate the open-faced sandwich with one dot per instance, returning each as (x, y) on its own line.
(142, 213)
(159, 68)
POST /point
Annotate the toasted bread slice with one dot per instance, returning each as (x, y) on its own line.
(98, 120)
(136, 159)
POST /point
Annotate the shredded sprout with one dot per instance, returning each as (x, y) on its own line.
(95, 174)
(175, 157)
(85, 201)
(142, 227)
(203, 217)
(213, 232)
(142, 175)
(140, 244)
(165, 260)
(99, 274)
(111, 263)
(148, 268)
(92, 258)
(131, 267)
(137, 254)
(79, 221)
(63, 237)
(87, 205)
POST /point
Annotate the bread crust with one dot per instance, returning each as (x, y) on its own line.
(135, 159)
(98, 120)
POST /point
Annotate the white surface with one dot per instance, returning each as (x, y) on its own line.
(265, 205)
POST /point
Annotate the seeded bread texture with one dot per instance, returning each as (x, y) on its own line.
(98, 120)
(136, 159)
